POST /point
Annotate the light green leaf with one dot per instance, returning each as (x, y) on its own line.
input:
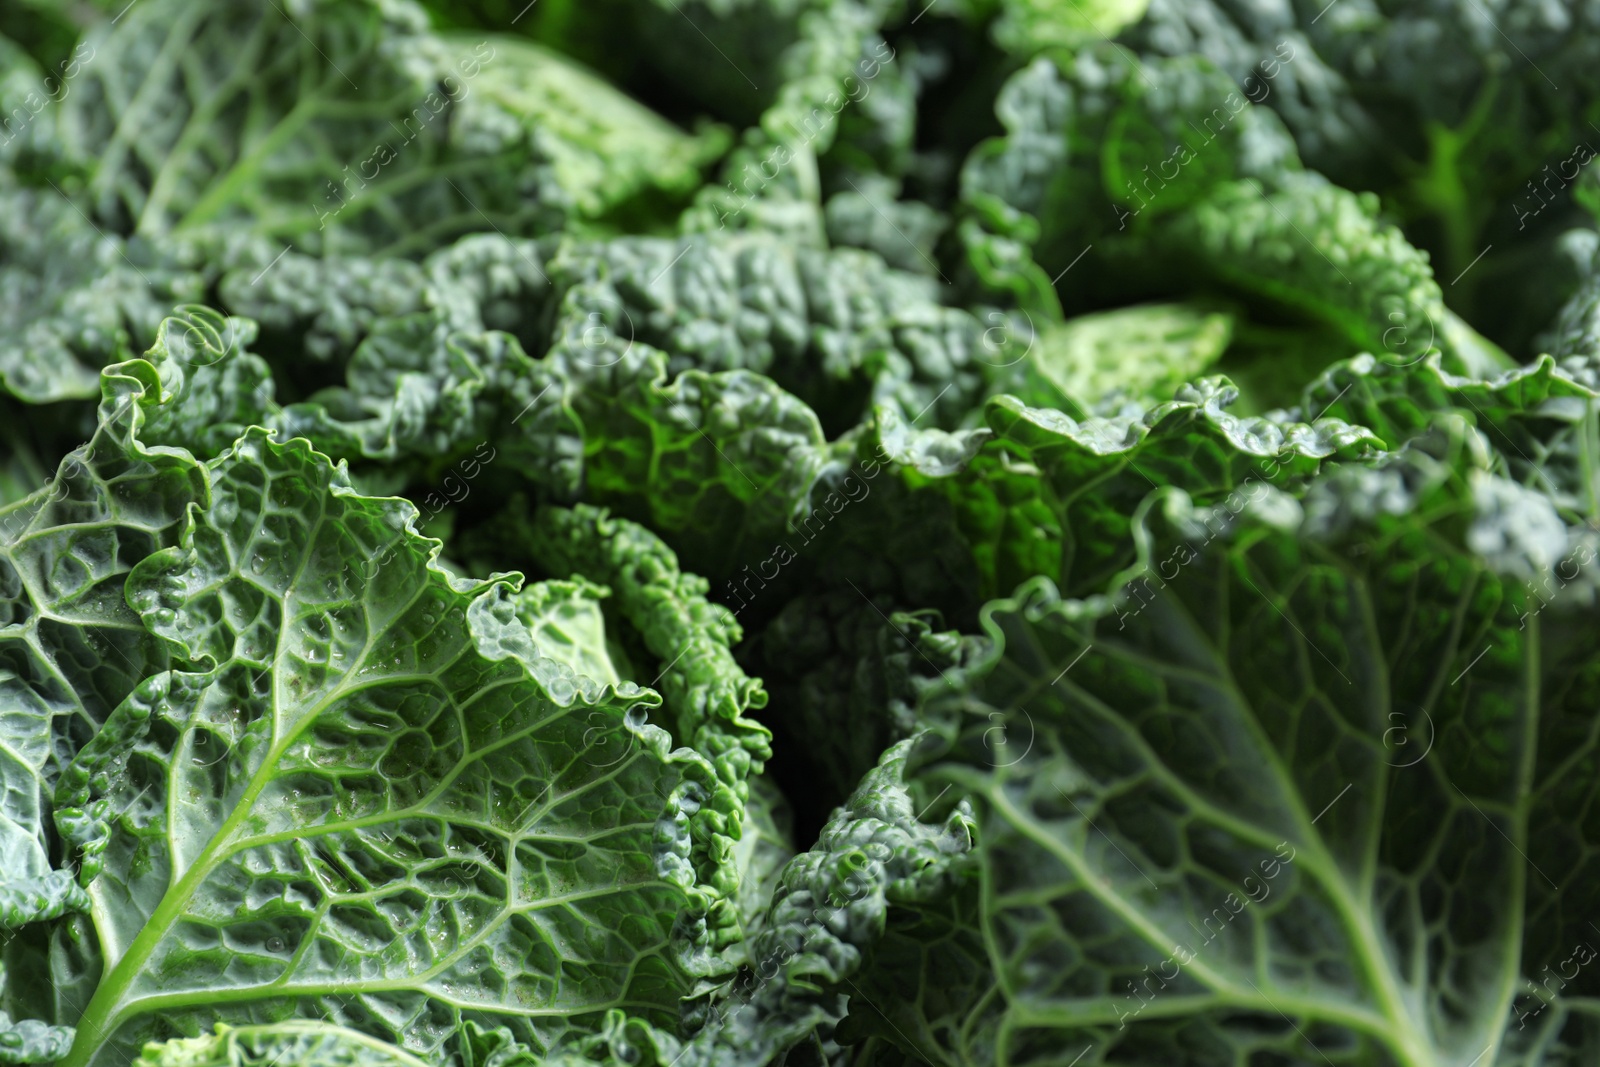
(1029, 26)
(211, 387)
(601, 147)
(71, 650)
(1140, 353)
(707, 695)
(289, 1044)
(70, 647)
(566, 624)
(353, 802)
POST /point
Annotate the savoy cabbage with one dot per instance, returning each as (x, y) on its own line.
(799, 533)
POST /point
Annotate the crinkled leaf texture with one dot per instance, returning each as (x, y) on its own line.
(829, 905)
(833, 327)
(1043, 493)
(1540, 417)
(299, 1043)
(361, 796)
(72, 298)
(707, 695)
(1171, 181)
(701, 682)
(1109, 358)
(199, 140)
(70, 647)
(71, 650)
(676, 380)
(341, 125)
(1315, 787)
(718, 460)
(305, 1043)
